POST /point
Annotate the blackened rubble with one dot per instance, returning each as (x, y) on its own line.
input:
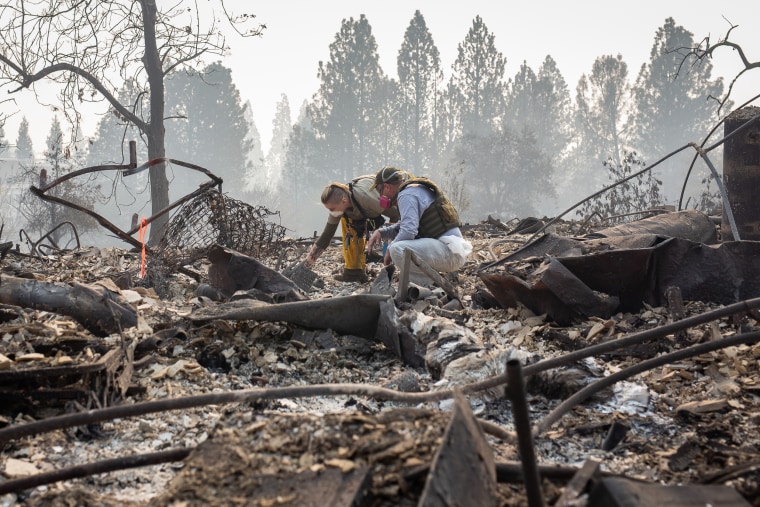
(689, 422)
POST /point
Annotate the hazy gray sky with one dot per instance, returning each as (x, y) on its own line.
(573, 33)
(299, 32)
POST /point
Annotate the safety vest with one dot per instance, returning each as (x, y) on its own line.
(440, 216)
(354, 200)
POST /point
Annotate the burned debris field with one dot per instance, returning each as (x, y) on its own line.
(438, 344)
(576, 367)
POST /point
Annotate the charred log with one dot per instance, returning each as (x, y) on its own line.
(98, 309)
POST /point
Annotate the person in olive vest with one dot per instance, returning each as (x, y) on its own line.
(429, 224)
(355, 206)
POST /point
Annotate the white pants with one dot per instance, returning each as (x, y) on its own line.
(432, 251)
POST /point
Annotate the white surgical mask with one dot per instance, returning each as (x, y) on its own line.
(336, 214)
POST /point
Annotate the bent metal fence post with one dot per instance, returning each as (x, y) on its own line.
(127, 170)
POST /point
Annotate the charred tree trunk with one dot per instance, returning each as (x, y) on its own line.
(98, 309)
(159, 184)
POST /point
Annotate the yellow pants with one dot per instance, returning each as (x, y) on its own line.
(353, 245)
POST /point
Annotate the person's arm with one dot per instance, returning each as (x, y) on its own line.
(323, 241)
(389, 232)
(381, 234)
(409, 205)
(392, 214)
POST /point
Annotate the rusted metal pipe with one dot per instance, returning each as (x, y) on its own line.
(49, 236)
(415, 292)
(516, 394)
(126, 170)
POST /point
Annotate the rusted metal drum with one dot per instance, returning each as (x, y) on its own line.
(741, 174)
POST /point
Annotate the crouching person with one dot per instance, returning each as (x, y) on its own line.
(428, 225)
(355, 206)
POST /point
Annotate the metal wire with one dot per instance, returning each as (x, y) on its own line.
(209, 219)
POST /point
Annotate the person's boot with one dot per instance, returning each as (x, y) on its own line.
(352, 275)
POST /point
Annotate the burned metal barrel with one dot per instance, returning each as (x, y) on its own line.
(741, 173)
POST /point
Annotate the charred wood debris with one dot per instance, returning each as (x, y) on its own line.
(563, 365)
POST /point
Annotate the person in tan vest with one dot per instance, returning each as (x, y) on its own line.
(355, 206)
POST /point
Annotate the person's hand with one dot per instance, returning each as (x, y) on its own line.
(313, 255)
(374, 239)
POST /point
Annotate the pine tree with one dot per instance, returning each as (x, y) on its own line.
(302, 179)
(255, 175)
(43, 216)
(392, 121)
(110, 144)
(447, 168)
(282, 125)
(80, 149)
(521, 106)
(600, 101)
(3, 142)
(506, 171)
(477, 76)
(448, 117)
(419, 76)
(671, 102)
(345, 112)
(60, 158)
(554, 115)
(210, 132)
(24, 148)
(54, 154)
(540, 103)
(469, 113)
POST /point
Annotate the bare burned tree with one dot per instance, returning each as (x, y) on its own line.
(706, 48)
(88, 49)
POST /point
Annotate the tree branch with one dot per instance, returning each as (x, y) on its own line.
(705, 49)
(28, 79)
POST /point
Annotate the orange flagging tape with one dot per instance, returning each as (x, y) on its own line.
(141, 237)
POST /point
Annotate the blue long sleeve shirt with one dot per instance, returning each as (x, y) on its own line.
(412, 202)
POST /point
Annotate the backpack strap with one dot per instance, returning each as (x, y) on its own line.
(356, 201)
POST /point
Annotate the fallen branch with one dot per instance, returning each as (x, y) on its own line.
(98, 467)
(244, 396)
